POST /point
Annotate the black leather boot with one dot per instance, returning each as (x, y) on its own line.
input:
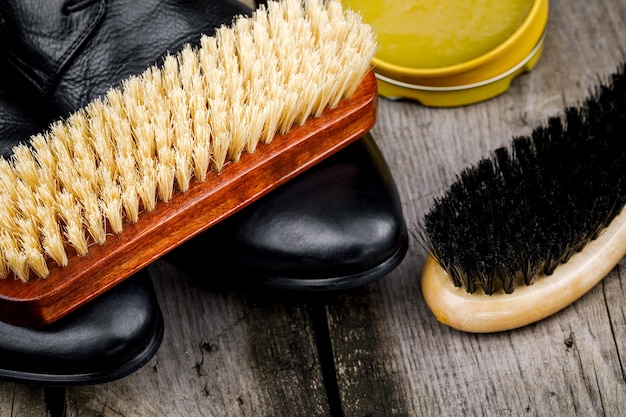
(339, 225)
(106, 339)
(324, 230)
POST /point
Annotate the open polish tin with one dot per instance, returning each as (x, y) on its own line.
(446, 53)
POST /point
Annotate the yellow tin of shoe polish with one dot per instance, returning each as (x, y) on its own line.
(446, 53)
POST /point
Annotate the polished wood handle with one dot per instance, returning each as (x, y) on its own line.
(42, 301)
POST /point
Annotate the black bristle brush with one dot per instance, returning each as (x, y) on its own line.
(527, 231)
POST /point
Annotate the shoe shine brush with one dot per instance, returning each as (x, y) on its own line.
(526, 232)
(104, 192)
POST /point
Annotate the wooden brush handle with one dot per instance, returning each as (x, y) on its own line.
(42, 301)
(478, 313)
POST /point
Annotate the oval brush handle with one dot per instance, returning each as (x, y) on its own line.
(479, 313)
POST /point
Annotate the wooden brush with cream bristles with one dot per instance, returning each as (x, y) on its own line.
(104, 192)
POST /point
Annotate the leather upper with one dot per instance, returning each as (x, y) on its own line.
(103, 340)
(337, 225)
(17, 121)
(71, 52)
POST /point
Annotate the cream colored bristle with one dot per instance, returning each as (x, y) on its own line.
(52, 239)
(71, 214)
(25, 165)
(99, 169)
(202, 145)
(148, 184)
(15, 257)
(111, 198)
(31, 246)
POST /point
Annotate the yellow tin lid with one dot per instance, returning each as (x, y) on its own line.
(446, 53)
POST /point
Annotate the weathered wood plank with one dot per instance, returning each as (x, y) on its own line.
(17, 400)
(225, 353)
(614, 292)
(392, 356)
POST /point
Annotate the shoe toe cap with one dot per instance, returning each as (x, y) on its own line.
(104, 340)
(340, 223)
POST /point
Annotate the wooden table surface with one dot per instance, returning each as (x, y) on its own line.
(377, 350)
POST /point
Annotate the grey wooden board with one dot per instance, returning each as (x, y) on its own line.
(230, 353)
(225, 353)
(392, 356)
(19, 400)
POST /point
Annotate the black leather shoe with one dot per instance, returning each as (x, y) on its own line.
(106, 339)
(338, 226)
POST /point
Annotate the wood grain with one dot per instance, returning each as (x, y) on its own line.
(17, 400)
(225, 353)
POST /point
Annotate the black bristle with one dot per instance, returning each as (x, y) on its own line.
(531, 206)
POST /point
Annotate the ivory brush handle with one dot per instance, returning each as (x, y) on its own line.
(479, 313)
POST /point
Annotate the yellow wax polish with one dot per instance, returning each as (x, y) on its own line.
(439, 33)
(452, 52)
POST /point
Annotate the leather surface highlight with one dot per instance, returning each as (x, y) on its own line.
(107, 338)
(340, 219)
